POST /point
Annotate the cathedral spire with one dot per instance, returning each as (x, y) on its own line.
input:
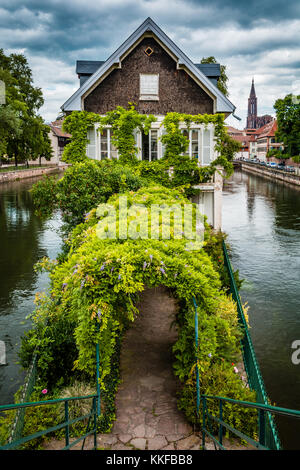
(252, 108)
(252, 91)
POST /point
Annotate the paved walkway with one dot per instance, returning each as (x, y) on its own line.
(147, 413)
(147, 416)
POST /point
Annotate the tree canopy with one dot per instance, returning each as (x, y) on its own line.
(288, 121)
(23, 133)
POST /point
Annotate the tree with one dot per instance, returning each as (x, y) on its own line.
(288, 122)
(222, 82)
(23, 133)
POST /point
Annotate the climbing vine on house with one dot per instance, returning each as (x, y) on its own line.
(124, 122)
(77, 124)
(97, 287)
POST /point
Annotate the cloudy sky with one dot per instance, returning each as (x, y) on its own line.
(259, 39)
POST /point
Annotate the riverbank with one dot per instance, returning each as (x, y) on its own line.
(17, 175)
(270, 173)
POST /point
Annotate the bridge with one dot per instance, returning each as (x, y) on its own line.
(147, 412)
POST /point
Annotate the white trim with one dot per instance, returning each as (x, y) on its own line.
(221, 103)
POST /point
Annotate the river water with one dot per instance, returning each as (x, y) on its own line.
(24, 239)
(262, 220)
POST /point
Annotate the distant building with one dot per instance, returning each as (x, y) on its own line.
(242, 138)
(58, 141)
(254, 121)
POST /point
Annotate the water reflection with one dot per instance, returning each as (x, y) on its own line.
(262, 219)
(24, 239)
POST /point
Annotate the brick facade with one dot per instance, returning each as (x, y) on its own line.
(178, 92)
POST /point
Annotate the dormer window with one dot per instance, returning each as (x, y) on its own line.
(149, 83)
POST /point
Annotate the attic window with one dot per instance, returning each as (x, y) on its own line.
(148, 51)
(149, 86)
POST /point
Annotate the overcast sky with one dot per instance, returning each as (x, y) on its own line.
(259, 39)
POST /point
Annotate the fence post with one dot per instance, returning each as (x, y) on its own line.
(197, 368)
(203, 422)
(262, 427)
(98, 375)
(67, 421)
(95, 422)
(221, 418)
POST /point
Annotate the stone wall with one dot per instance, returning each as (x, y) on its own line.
(30, 173)
(270, 173)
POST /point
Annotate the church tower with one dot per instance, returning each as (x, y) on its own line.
(252, 109)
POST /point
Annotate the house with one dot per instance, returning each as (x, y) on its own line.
(241, 137)
(58, 140)
(151, 71)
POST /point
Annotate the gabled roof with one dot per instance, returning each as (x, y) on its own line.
(268, 130)
(223, 105)
(56, 128)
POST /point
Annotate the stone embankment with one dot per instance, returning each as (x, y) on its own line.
(270, 173)
(6, 176)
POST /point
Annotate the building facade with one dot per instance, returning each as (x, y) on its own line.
(149, 70)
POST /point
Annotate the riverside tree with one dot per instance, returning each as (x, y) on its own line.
(23, 133)
(288, 121)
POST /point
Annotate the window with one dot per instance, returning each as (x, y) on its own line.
(149, 86)
(107, 149)
(200, 145)
(150, 145)
(99, 146)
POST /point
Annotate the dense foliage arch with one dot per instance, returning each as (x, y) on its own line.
(97, 287)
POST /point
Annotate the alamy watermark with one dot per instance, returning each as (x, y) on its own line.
(2, 354)
(296, 354)
(154, 222)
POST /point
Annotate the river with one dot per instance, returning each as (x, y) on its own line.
(262, 220)
(24, 239)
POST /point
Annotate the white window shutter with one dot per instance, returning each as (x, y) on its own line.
(91, 146)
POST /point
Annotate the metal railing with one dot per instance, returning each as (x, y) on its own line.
(268, 434)
(254, 376)
(263, 412)
(66, 424)
(16, 438)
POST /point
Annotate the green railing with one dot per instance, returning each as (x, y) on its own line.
(16, 438)
(254, 376)
(29, 382)
(268, 434)
(66, 424)
(263, 412)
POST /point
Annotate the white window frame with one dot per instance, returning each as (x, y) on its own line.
(149, 94)
(96, 151)
(201, 145)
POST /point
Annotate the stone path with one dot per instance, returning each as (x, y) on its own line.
(147, 416)
(146, 403)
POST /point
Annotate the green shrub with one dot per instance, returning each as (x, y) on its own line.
(96, 287)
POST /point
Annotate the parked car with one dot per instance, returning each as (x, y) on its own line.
(280, 166)
(290, 168)
(273, 165)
